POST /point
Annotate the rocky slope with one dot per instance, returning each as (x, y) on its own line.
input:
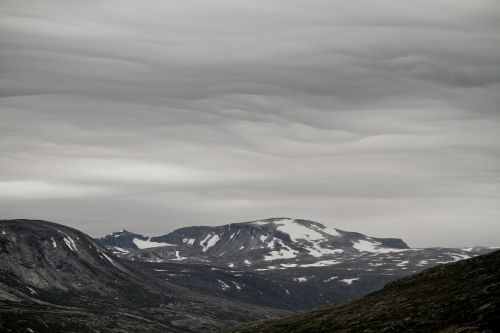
(457, 297)
(285, 263)
(57, 279)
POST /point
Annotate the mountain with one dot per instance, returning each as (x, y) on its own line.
(452, 298)
(57, 279)
(284, 263)
(264, 240)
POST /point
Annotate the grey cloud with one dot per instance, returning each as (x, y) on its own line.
(377, 117)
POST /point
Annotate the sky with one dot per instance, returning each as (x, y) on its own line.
(380, 117)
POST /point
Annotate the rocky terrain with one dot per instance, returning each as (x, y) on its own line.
(452, 298)
(283, 263)
(57, 279)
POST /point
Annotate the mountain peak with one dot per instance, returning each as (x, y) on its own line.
(270, 239)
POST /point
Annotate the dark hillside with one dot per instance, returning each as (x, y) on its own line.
(459, 297)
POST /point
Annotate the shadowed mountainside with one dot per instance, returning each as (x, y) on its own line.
(57, 279)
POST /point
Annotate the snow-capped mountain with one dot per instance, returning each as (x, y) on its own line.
(265, 240)
(279, 262)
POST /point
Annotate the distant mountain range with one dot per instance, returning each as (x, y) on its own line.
(279, 262)
(196, 279)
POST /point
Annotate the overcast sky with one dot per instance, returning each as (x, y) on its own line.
(381, 117)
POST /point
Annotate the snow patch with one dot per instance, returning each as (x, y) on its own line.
(223, 285)
(300, 279)
(284, 251)
(423, 263)
(146, 244)
(288, 265)
(261, 222)
(321, 263)
(121, 250)
(349, 281)
(70, 243)
(54, 244)
(230, 265)
(373, 247)
(3, 232)
(247, 262)
(31, 290)
(188, 241)
(178, 256)
(209, 241)
(331, 279)
(403, 263)
(109, 259)
(297, 231)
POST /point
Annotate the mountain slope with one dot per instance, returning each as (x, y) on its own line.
(457, 297)
(55, 278)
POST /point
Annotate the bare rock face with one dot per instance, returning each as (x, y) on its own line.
(457, 297)
(58, 279)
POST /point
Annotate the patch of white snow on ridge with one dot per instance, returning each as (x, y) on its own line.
(54, 244)
(283, 253)
(146, 244)
(224, 285)
(288, 265)
(349, 281)
(231, 265)
(297, 231)
(188, 241)
(109, 259)
(247, 262)
(3, 232)
(261, 222)
(209, 241)
(403, 263)
(31, 290)
(178, 256)
(317, 251)
(331, 279)
(373, 247)
(300, 279)
(321, 263)
(70, 243)
(121, 250)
